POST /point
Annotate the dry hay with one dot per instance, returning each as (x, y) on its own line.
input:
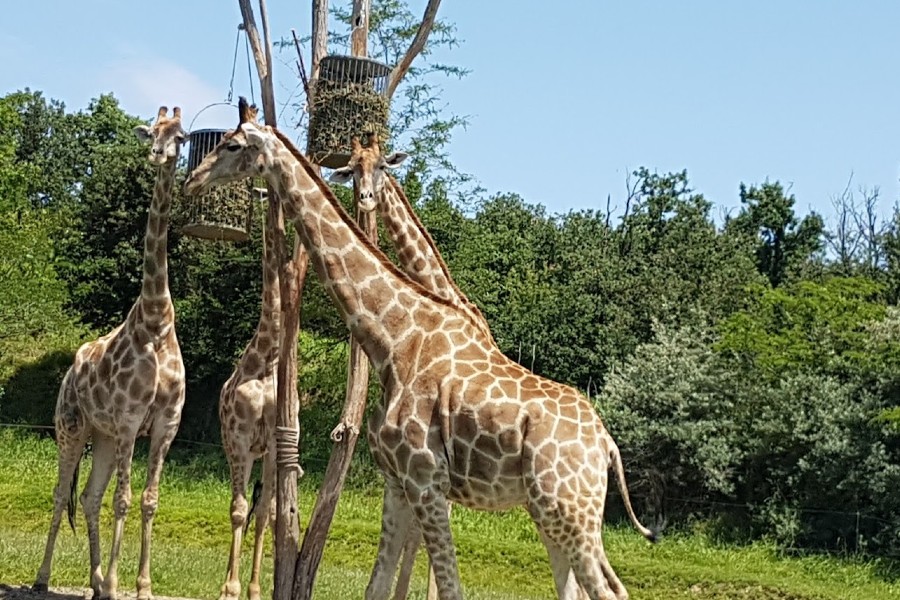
(342, 111)
(221, 214)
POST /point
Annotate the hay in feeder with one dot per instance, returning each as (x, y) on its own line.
(225, 213)
(341, 111)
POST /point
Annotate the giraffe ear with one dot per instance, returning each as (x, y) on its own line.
(342, 175)
(143, 133)
(393, 160)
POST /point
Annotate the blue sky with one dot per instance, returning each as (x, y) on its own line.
(564, 101)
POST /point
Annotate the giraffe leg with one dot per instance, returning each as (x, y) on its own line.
(432, 512)
(161, 435)
(102, 464)
(567, 587)
(395, 524)
(265, 513)
(432, 581)
(410, 549)
(70, 451)
(241, 467)
(121, 504)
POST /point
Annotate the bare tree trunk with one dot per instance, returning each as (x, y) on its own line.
(292, 273)
(346, 434)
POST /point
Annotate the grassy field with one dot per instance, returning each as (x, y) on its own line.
(499, 554)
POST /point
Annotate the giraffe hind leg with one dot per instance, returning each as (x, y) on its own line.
(71, 436)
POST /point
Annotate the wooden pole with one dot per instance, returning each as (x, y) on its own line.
(292, 274)
(346, 434)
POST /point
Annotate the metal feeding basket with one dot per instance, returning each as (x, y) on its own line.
(348, 101)
(226, 212)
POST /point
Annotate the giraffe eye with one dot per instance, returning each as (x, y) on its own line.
(233, 147)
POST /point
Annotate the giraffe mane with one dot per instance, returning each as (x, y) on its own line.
(354, 226)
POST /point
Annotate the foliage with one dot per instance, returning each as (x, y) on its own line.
(807, 325)
(785, 244)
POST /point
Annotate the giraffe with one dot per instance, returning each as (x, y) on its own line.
(458, 421)
(125, 384)
(419, 257)
(247, 418)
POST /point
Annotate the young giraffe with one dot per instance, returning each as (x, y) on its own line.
(128, 383)
(247, 418)
(459, 420)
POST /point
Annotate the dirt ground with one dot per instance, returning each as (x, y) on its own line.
(24, 592)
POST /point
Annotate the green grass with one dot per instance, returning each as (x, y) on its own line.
(499, 554)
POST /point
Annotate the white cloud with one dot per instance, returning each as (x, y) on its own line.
(143, 85)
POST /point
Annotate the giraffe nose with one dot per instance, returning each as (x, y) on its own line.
(367, 194)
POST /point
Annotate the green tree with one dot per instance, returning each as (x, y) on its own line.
(785, 244)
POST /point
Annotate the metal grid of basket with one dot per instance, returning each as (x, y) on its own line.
(348, 101)
(226, 212)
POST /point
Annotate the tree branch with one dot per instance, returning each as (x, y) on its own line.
(415, 47)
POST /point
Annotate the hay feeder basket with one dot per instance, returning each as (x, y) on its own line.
(226, 212)
(348, 101)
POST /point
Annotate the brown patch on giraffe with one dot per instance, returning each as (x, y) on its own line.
(252, 364)
(510, 441)
(464, 425)
(510, 466)
(489, 445)
(421, 467)
(483, 466)
(414, 434)
(566, 429)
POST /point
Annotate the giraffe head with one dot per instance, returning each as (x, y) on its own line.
(366, 168)
(243, 152)
(165, 136)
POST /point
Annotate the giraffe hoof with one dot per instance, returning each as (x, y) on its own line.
(39, 587)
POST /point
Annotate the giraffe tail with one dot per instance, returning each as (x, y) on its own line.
(73, 490)
(254, 503)
(651, 534)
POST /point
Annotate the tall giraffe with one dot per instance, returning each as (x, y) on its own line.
(247, 418)
(126, 384)
(459, 420)
(420, 258)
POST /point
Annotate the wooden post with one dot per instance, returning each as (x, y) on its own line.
(347, 432)
(292, 273)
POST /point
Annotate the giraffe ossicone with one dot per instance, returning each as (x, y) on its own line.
(459, 421)
(125, 384)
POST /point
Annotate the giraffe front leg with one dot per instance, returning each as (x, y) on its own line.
(410, 549)
(160, 441)
(121, 504)
(432, 511)
(102, 465)
(395, 523)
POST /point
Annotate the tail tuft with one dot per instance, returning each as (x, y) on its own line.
(73, 490)
(254, 501)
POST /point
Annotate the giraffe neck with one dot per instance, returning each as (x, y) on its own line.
(155, 284)
(418, 254)
(377, 302)
(270, 316)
